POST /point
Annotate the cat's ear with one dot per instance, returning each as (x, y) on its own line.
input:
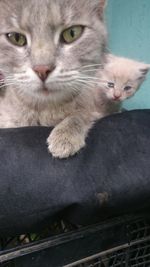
(102, 4)
(144, 70)
(100, 7)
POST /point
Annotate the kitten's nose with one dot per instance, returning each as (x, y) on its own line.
(43, 71)
(117, 96)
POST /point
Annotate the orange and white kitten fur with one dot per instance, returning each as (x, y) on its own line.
(121, 78)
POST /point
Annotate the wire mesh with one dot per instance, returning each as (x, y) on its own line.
(135, 256)
(138, 229)
(134, 253)
(56, 228)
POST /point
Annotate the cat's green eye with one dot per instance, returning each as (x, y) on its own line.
(17, 39)
(72, 34)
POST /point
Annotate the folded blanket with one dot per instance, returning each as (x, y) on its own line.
(110, 176)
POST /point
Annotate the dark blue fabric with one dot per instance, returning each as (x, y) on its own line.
(110, 176)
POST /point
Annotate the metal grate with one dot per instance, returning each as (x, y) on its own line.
(56, 228)
(127, 241)
(136, 253)
(138, 229)
(135, 256)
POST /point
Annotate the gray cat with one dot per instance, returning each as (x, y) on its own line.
(50, 51)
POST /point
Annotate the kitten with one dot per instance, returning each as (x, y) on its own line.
(121, 78)
(49, 58)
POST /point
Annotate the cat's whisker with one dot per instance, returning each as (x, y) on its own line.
(24, 81)
(6, 85)
(63, 79)
(85, 76)
(5, 81)
(74, 80)
(76, 85)
(92, 65)
(20, 80)
(66, 78)
(89, 78)
(90, 84)
(81, 82)
(95, 80)
(9, 75)
(84, 67)
(90, 70)
(8, 80)
(2, 85)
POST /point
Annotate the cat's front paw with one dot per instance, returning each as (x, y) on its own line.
(63, 145)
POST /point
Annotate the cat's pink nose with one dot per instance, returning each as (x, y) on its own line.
(43, 71)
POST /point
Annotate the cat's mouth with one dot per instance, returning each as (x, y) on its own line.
(48, 91)
(45, 90)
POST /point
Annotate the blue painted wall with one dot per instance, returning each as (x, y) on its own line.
(128, 24)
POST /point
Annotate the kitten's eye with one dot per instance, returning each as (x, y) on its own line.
(127, 88)
(111, 85)
(72, 34)
(17, 39)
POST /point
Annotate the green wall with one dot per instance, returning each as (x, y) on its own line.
(128, 24)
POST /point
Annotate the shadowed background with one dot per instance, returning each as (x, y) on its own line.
(129, 35)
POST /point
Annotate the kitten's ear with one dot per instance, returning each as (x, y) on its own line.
(143, 71)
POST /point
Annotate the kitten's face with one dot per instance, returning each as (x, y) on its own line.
(50, 49)
(122, 77)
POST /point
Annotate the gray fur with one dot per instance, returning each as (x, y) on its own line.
(25, 103)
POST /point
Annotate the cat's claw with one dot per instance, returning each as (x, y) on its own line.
(60, 145)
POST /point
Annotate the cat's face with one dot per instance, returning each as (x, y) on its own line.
(122, 77)
(50, 49)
